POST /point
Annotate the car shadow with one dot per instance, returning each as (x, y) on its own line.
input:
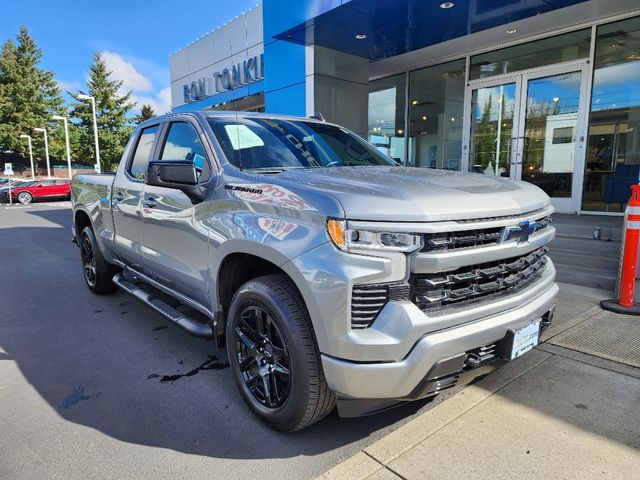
(111, 364)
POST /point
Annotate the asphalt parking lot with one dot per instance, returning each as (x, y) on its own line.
(102, 387)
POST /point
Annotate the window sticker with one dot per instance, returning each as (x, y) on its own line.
(241, 137)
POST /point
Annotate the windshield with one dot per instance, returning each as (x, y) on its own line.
(279, 144)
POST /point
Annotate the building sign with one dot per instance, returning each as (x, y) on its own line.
(249, 71)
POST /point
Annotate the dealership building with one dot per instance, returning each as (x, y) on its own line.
(545, 91)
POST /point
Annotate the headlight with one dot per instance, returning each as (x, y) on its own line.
(349, 240)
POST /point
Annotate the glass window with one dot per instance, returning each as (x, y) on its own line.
(563, 135)
(436, 108)
(613, 150)
(561, 48)
(386, 116)
(277, 144)
(142, 152)
(551, 119)
(48, 183)
(183, 143)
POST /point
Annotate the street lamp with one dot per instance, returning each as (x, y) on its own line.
(66, 137)
(46, 149)
(82, 96)
(28, 137)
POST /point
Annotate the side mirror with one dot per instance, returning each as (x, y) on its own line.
(179, 174)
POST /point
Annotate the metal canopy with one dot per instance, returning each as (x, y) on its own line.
(378, 29)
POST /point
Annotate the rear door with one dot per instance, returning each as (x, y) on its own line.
(126, 198)
(64, 187)
(175, 236)
(46, 188)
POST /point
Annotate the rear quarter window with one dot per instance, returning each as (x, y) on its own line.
(142, 153)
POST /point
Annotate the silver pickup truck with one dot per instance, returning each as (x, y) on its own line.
(332, 274)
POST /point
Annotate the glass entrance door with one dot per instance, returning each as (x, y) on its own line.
(531, 127)
(492, 129)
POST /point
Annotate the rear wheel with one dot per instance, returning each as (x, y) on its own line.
(98, 274)
(25, 198)
(274, 356)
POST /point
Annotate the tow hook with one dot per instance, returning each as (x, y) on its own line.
(472, 360)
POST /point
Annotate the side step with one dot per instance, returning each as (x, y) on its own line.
(185, 322)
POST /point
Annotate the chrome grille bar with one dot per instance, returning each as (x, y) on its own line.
(433, 292)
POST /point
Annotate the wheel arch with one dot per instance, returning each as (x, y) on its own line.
(25, 191)
(239, 267)
(81, 219)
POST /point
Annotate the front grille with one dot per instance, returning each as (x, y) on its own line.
(466, 238)
(433, 292)
(474, 238)
(368, 300)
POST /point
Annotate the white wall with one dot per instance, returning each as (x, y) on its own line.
(225, 46)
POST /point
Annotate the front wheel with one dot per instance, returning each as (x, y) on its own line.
(274, 356)
(25, 198)
(98, 274)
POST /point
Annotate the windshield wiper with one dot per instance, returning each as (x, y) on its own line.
(272, 170)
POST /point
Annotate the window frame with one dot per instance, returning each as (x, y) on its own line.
(134, 147)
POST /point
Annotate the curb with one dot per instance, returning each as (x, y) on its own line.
(373, 459)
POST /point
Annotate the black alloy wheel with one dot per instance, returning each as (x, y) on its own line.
(263, 357)
(98, 273)
(88, 260)
(274, 355)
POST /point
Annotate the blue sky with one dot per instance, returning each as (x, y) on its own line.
(135, 36)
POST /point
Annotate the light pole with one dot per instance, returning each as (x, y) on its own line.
(28, 137)
(66, 138)
(46, 149)
(82, 96)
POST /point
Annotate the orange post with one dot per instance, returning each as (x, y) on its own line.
(627, 281)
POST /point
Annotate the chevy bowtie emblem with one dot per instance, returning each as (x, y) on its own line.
(519, 233)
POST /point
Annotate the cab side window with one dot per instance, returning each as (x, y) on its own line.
(48, 183)
(142, 153)
(183, 143)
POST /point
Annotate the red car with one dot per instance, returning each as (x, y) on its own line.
(42, 189)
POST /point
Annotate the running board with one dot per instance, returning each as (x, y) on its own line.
(185, 322)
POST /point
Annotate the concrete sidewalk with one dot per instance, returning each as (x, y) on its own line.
(556, 412)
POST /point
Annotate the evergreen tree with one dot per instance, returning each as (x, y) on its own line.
(29, 96)
(112, 108)
(146, 113)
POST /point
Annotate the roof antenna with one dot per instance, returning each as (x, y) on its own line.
(318, 116)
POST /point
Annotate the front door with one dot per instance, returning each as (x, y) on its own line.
(532, 127)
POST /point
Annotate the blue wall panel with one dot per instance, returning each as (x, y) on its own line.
(284, 62)
(288, 100)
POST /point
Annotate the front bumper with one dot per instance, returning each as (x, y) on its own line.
(402, 379)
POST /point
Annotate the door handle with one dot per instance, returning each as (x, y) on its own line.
(150, 203)
(118, 197)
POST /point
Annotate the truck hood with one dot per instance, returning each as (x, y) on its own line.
(418, 194)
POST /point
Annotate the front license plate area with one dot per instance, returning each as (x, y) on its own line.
(520, 340)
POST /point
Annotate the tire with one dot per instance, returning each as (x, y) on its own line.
(98, 274)
(289, 345)
(25, 198)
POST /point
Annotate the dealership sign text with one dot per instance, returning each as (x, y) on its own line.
(249, 71)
